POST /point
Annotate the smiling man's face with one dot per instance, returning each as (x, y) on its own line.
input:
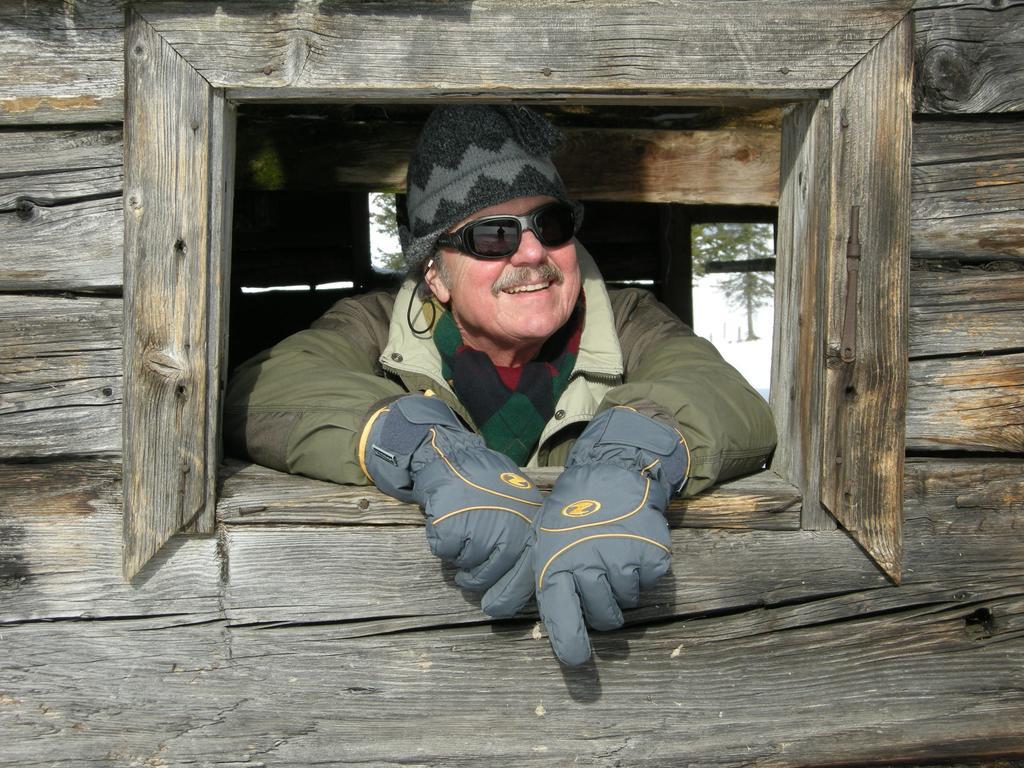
(507, 308)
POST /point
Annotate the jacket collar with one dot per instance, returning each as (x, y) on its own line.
(599, 355)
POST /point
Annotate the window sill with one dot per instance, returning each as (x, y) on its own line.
(254, 495)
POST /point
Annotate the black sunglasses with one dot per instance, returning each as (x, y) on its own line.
(495, 237)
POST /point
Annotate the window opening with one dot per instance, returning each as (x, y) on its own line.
(734, 294)
(845, 143)
(385, 248)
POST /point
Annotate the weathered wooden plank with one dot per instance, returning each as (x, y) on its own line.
(957, 140)
(802, 250)
(203, 695)
(353, 48)
(60, 209)
(390, 579)
(967, 309)
(251, 494)
(60, 552)
(979, 237)
(174, 175)
(71, 246)
(223, 118)
(968, 190)
(52, 166)
(60, 375)
(64, 62)
(968, 56)
(989, 180)
(866, 333)
(731, 166)
(950, 504)
(971, 404)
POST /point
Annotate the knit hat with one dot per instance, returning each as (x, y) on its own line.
(470, 157)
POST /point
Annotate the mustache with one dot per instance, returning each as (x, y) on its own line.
(514, 277)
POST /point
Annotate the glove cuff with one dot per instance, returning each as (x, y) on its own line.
(364, 439)
(394, 433)
(627, 438)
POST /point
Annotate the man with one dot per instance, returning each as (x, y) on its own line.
(503, 350)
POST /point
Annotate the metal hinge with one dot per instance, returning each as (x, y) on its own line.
(848, 350)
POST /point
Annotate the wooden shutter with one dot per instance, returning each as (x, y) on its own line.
(177, 162)
(840, 385)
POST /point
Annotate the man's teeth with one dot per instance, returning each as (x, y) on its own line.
(528, 288)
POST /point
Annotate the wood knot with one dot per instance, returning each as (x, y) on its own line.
(25, 209)
(980, 624)
(164, 364)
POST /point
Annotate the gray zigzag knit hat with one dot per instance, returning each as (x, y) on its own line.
(470, 157)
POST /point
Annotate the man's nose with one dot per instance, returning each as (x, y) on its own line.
(531, 251)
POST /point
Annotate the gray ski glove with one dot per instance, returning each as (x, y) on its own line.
(601, 536)
(479, 508)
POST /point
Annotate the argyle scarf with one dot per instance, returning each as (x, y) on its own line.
(510, 406)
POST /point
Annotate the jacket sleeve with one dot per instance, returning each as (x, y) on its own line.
(672, 374)
(299, 406)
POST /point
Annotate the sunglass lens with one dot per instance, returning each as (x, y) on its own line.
(555, 225)
(494, 239)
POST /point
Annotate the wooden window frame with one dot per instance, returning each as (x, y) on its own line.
(844, 70)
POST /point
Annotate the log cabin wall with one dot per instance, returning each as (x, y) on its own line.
(256, 646)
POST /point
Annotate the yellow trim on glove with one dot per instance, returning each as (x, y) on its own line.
(433, 443)
(544, 570)
(471, 509)
(361, 450)
(643, 501)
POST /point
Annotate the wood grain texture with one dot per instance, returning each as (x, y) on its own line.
(970, 403)
(736, 166)
(731, 167)
(69, 246)
(968, 190)
(802, 250)
(60, 209)
(352, 48)
(60, 376)
(303, 696)
(64, 62)
(253, 495)
(733, 161)
(222, 185)
(196, 688)
(170, 292)
(864, 395)
(392, 582)
(55, 165)
(966, 310)
(69, 59)
(60, 552)
(968, 56)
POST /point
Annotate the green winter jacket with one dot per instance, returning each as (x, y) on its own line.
(301, 406)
